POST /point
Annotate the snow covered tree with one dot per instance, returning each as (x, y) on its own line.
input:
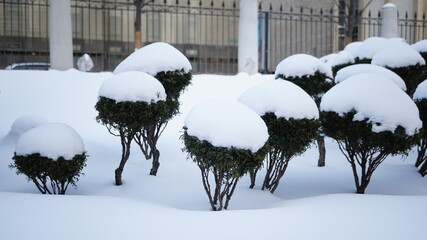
(368, 124)
(129, 102)
(420, 98)
(173, 70)
(51, 155)
(291, 116)
(405, 62)
(314, 77)
(226, 139)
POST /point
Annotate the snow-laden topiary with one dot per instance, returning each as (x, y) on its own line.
(129, 102)
(421, 47)
(51, 155)
(420, 98)
(23, 124)
(227, 139)
(172, 69)
(405, 62)
(291, 116)
(340, 60)
(353, 48)
(352, 70)
(370, 118)
(371, 46)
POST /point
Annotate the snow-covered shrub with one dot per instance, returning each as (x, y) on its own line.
(340, 60)
(52, 156)
(314, 77)
(373, 45)
(353, 48)
(129, 102)
(171, 68)
(369, 124)
(405, 62)
(421, 47)
(420, 98)
(291, 116)
(23, 124)
(226, 139)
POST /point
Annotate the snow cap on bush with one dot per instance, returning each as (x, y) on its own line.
(341, 58)
(376, 99)
(155, 58)
(373, 45)
(421, 91)
(227, 123)
(397, 57)
(352, 70)
(420, 46)
(353, 48)
(133, 86)
(52, 140)
(299, 65)
(281, 97)
(25, 123)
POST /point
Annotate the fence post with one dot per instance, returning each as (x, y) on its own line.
(388, 21)
(60, 35)
(248, 37)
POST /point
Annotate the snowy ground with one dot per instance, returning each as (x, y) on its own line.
(310, 203)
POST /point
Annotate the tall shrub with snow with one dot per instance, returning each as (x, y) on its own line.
(420, 98)
(291, 116)
(421, 47)
(129, 102)
(173, 70)
(225, 139)
(314, 77)
(51, 155)
(369, 124)
(405, 62)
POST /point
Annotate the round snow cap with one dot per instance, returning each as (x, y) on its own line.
(299, 65)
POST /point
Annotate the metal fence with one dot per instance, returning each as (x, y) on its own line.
(205, 31)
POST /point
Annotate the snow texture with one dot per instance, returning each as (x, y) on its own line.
(398, 56)
(373, 45)
(26, 123)
(327, 57)
(420, 46)
(133, 86)
(281, 97)
(376, 99)
(343, 57)
(227, 123)
(299, 65)
(388, 5)
(85, 63)
(421, 91)
(352, 70)
(52, 140)
(155, 58)
(353, 48)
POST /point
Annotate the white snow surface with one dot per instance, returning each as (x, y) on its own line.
(398, 56)
(281, 97)
(173, 205)
(25, 123)
(352, 70)
(421, 91)
(327, 57)
(155, 58)
(373, 45)
(227, 123)
(133, 86)
(299, 65)
(343, 57)
(420, 46)
(353, 48)
(52, 140)
(375, 98)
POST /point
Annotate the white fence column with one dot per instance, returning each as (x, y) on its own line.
(60, 35)
(248, 37)
(389, 21)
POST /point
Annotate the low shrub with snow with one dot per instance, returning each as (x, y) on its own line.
(368, 124)
(129, 102)
(226, 139)
(420, 98)
(340, 60)
(291, 116)
(421, 47)
(173, 70)
(52, 156)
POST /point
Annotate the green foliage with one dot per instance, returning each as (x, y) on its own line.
(174, 82)
(230, 161)
(422, 108)
(336, 68)
(412, 75)
(424, 55)
(43, 169)
(291, 136)
(362, 61)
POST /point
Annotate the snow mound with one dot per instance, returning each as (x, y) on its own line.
(52, 140)
(155, 58)
(373, 45)
(343, 57)
(26, 123)
(399, 56)
(421, 91)
(327, 57)
(375, 98)
(353, 48)
(227, 123)
(388, 5)
(420, 46)
(299, 65)
(352, 70)
(133, 86)
(281, 97)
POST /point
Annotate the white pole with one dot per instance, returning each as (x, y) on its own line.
(60, 35)
(248, 37)
(389, 21)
